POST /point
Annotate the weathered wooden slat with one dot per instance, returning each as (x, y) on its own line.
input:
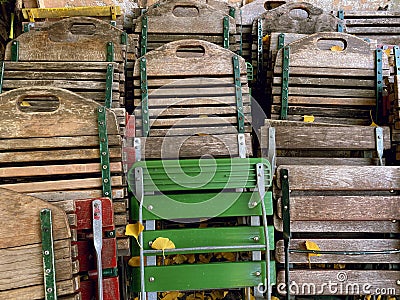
(328, 92)
(154, 38)
(65, 84)
(189, 122)
(25, 264)
(327, 120)
(339, 244)
(388, 29)
(320, 81)
(203, 92)
(194, 16)
(325, 161)
(24, 212)
(65, 287)
(42, 75)
(342, 101)
(379, 21)
(56, 155)
(60, 66)
(337, 112)
(193, 131)
(348, 282)
(251, 11)
(177, 82)
(193, 146)
(336, 178)
(74, 116)
(49, 170)
(343, 208)
(328, 71)
(54, 196)
(194, 101)
(165, 62)
(325, 227)
(57, 42)
(70, 184)
(365, 14)
(325, 138)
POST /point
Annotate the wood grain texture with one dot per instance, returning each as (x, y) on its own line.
(24, 210)
(352, 285)
(343, 178)
(177, 16)
(251, 11)
(74, 116)
(59, 42)
(281, 20)
(325, 138)
(343, 208)
(340, 244)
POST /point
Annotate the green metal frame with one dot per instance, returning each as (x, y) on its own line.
(145, 97)
(109, 84)
(110, 52)
(2, 66)
(396, 53)
(49, 271)
(285, 82)
(226, 32)
(249, 70)
(124, 38)
(281, 41)
(238, 93)
(157, 184)
(15, 50)
(260, 58)
(284, 177)
(104, 152)
(341, 17)
(27, 27)
(143, 38)
(378, 85)
(232, 11)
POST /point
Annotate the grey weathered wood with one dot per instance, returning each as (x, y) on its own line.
(281, 20)
(176, 131)
(354, 282)
(342, 101)
(74, 116)
(252, 10)
(336, 178)
(328, 92)
(59, 66)
(329, 120)
(220, 100)
(326, 161)
(329, 71)
(193, 146)
(57, 43)
(340, 244)
(338, 112)
(207, 20)
(343, 208)
(325, 138)
(54, 196)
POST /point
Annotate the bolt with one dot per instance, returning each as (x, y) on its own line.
(104, 167)
(285, 176)
(151, 279)
(105, 180)
(150, 207)
(46, 252)
(49, 290)
(256, 238)
(48, 271)
(258, 273)
(150, 243)
(254, 204)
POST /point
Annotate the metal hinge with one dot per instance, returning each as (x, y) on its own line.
(137, 144)
(379, 144)
(281, 41)
(341, 17)
(242, 145)
(238, 93)
(46, 226)
(378, 85)
(104, 152)
(285, 82)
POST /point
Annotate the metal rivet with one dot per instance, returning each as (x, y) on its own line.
(150, 243)
(285, 207)
(258, 273)
(48, 271)
(103, 153)
(254, 203)
(256, 238)
(150, 207)
(105, 167)
(49, 290)
(106, 193)
(285, 176)
(105, 180)
(398, 282)
(46, 252)
(151, 279)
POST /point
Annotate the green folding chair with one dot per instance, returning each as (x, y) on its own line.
(194, 189)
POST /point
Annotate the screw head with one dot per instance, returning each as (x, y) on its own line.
(256, 238)
(48, 271)
(258, 273)
(151, 279)
(150, 207)
(49, 290)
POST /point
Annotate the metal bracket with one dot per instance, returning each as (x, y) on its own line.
(286, 224)
(260, 186)
(396, 53)
(124, 38)
(143, 39)
(285, 82)
(145, 97)
(340, 15)
(109, 84)
(2, 64)
(113, 23)
(249, 70)
(379, 143)
(378, 85)
(98, 243)
(238, 93)
(232, 11)
(104, 152)
(27, 27)
(281, 41)
(242, 145)
(226, 32)
(271, 156)
(260, 59)
(46, 226)
(110, 52)
(14, 50)
(137, 143)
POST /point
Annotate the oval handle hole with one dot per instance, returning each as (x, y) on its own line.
(34, 104)
(190, 51)
(298, 14)
(268, 5)
(332, 44)
(185, 11)
(83, 28)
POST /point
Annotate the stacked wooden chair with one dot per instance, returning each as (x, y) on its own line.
(338, 84)
(38, 260)
(192, 99)
(168, 21)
